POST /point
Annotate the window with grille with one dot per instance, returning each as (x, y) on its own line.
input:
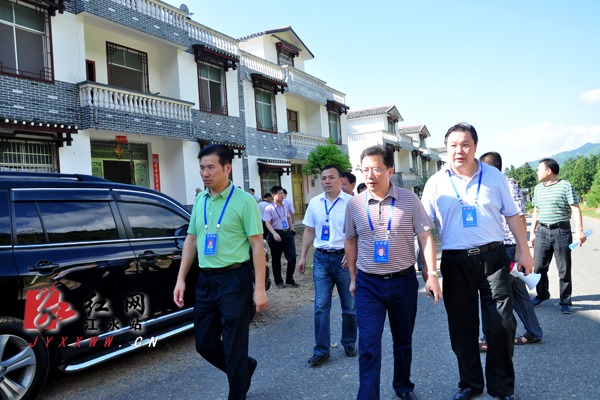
(265, 111)
(25, 41)
(269, 180)
(334, 127)
(391, 126)
(127, 68)
(28, 156)
(285, 58)
(213, 96)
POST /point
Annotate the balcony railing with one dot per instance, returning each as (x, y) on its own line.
(298, 139)
(337, 96)
(261, 66)
(94, 94)
(174, 16)
(295, 75)
(409, 179)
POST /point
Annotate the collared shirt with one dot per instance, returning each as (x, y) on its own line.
(316, 216)
(494, 201)
(409, 218)
(554, 201)
(240, 221)
(276, 219)
(290, 205)
(257, 197)
(261, 206)
(517, 196)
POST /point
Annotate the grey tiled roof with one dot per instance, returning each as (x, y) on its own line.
(405, 130)
(369, 112)
(279, 30)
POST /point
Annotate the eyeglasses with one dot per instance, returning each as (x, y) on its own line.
(376, 171)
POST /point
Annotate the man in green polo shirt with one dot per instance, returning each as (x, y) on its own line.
(225, 223)
(554, 200)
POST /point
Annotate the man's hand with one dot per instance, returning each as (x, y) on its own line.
(432, 284)
(302, 265)
(277, 237)
(178, 293)
(581, 236)
(352, 287)
(344, 262)
(526, 262)
(532, 238)
(260, 299)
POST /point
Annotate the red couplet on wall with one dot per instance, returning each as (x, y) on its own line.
(156, 172)
(121, 139)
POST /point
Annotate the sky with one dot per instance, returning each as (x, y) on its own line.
(526, 74)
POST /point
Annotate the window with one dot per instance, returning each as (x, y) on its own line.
(28, 156)
(213, 96)
(422, 141)
(29, 226)
(90, 70)
(4, 220)
(334, 127)
(25, 47)
(391, 125)
(265, 111)
(285, 58)
(267, 181)
(127, 68)
(292, 117)
(68, 222)
(150, 221)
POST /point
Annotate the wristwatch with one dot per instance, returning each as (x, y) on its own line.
(436, 273)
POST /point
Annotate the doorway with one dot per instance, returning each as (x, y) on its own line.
(298, 191)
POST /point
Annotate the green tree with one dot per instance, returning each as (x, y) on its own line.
(566, 169)
(329, 154)
(582, 176)
(526, 176)
(593, 196)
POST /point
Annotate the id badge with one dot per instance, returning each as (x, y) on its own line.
(469, 217)
(285, 224)
(381, 248)
(210, 244)
(325, 233)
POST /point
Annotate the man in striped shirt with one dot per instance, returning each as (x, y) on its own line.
(553, 200)
(379, 228)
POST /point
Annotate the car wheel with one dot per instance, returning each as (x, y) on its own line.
(23, 368)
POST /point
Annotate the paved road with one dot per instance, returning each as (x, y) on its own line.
(566, 365)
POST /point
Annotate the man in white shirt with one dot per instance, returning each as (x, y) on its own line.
(325, 216)
(253, 193)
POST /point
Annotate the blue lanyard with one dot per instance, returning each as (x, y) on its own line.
(222, 212)
(456, 191)
(389, 228)
(326, 211)
(282, 206)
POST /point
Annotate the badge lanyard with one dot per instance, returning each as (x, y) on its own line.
(469, 213)
(325, 231)
(381, 247)
(210, 242)
(283, 221)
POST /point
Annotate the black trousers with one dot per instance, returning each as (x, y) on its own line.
(287, 246)
(549, 242)
(223, 309)
(465, 277)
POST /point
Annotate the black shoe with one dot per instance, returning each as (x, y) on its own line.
(537, 301)
(281, 285)
(251, 368)
(407, 396)
(566, 309)
(293, 283)
(512, 397)
(318, 360)
(351, 351)
(465, 394)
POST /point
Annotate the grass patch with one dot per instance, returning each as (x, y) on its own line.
(589, 211)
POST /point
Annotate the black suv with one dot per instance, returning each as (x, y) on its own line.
(87, 272)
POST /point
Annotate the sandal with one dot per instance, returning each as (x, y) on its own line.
(526, 338)
(483, 344)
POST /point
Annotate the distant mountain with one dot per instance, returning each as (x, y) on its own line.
(585, 150)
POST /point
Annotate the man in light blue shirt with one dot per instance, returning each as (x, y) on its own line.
(325, 217)
(468, 199)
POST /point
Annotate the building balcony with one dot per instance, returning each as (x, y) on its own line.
(130, 101)
(396, 179)
(408, 179)
(300, 144)
(261, 66)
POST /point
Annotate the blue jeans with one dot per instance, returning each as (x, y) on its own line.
(549, 242)
(328, 271)
(374, 296)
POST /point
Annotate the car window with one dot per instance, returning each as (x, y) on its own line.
(149, 221)
(29, 226)
(67, 222)
(4, 220)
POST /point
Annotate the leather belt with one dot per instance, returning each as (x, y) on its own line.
(556, 224)
(335, 252)
(217, 271)
(281, 230)
(473, 251)
(398, 274)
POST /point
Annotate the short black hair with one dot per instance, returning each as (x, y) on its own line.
(350, 176)
(361, 187)
(276, 189)
(267, 195)
(551, 164)
(385, 152)
(461, 127)
(492, 158)
(251, 189)
(330, 166)
(220, 150)
(284, 191)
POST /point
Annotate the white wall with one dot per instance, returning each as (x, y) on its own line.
(254, 46)
(237, 170)
(233, 99)
(191, 174)
(169, 73)
(250, 105)
(187, 70)
(366, 124)
(344, 128)
(76, 158)
(68, 46)
(281, 110)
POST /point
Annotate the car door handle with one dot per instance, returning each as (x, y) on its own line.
(148, 255)
(44, 267)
